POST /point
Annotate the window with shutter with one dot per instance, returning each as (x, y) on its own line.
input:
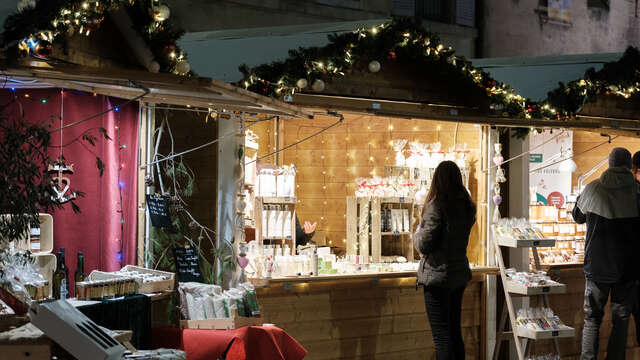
(466, 12)
(403, 7)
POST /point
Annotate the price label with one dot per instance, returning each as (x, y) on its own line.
(555, 333)
(402, 199)
(536, 243)
(287, 198)
(546, 289)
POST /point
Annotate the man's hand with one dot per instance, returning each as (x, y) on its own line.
(309, 228)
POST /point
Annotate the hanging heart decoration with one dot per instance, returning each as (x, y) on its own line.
(498, 160)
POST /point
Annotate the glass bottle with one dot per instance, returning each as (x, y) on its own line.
(66, 269)
(59, 278)
(79, 274)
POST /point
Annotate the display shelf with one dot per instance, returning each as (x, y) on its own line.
(516, 243)
(515, 287)
(279, 200)
(273, 238)
(564, 332)
(395, 233)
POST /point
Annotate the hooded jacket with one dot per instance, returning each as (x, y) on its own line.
(444, 239)
(610, 206)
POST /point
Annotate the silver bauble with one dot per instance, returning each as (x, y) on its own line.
(374, 66)
(302, 83)
(182, 67)
(318, 85)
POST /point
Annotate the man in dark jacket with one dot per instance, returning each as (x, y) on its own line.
(609, 206)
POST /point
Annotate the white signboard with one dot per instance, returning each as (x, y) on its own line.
(549, 179)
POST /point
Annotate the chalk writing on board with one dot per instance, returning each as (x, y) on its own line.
(159, 210)
(187, 264)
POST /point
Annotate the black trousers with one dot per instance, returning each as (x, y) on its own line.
(444, 307)
(596, 295)
(636, 312)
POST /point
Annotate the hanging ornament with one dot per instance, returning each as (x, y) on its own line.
(241, 204)
(497, 199)
(182, 67)
(302, 83)
(26, 4)
(498, 160)
(391, 55)
(161, 13)
(154, 67)
(61, 184)
(500, 178)
(374, 66)
(318, 85)
(168, 49)
(193, 225)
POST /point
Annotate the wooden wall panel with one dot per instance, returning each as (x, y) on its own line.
(329, 164)
(382, 319)
(583, 140)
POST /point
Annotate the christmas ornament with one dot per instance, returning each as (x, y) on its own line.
(374, 66)
(391, 55)
(318, 85)
(61, 184)
(43, 48)
(193, 225)
(498, 160)
(497, 199)
(168, 49)
(26, 4)
(154, 67)
(302, 83)
(500, 178)
(161, 13)
(182, 67)
(241, 204)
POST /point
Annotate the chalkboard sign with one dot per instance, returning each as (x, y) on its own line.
(159, 210)
(187, 264)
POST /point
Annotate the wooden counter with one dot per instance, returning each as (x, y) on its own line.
(366, 315)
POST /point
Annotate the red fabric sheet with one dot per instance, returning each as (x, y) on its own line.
(96, 230)
(252, 342)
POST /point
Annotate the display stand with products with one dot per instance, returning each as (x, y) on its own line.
(275, 219)
(557, 223)
(379, 223)
(527, 324)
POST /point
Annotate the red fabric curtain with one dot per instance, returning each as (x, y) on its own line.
(105, 230)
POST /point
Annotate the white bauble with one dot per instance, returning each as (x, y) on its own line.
(241, 204)
(182, 67)
(318, 85)
(302, 83)
(161, 12)
(153, 67)
(26, 4)
(374, 66)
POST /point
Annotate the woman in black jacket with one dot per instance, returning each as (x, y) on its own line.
(442, 238)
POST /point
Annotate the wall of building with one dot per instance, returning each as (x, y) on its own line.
(521, 28)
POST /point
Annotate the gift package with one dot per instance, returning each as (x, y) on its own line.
(531, 278)
(203, 301)
(23, 278)
(279, 182)
(276, 222)
(519, 229)
(539, 319)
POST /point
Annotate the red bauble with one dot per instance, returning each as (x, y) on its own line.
(391, 55)
(168, 49)
(44, 48)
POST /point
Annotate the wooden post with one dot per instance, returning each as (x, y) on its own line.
(375, 230)
(352, 225)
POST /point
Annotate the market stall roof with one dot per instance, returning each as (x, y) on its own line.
(534, 76)
(148, 87)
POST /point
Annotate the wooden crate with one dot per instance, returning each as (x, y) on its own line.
(230, 323)
(369, 242)
(155, 286)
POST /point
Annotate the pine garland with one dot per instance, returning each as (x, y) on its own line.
(33, 29)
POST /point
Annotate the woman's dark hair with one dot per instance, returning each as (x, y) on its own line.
(635, 161)
(446, 187)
